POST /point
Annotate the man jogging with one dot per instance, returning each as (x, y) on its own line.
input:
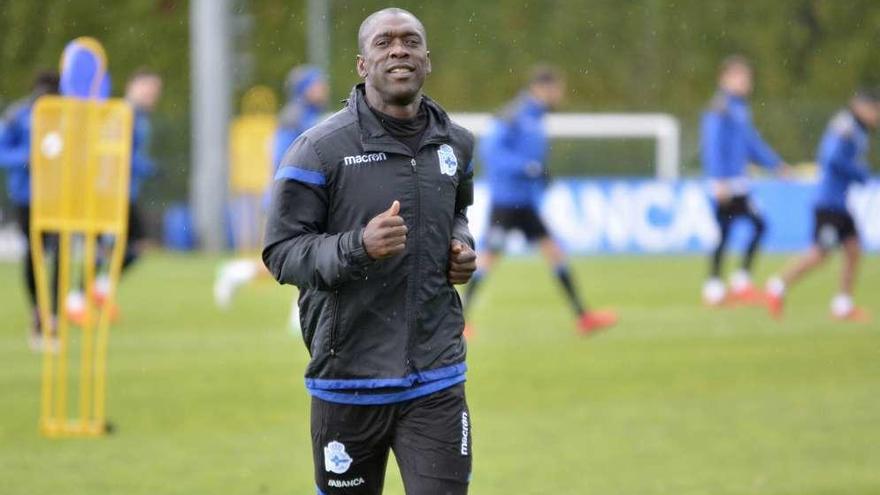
(514, 153)
(842, 157)
(729, 141)
(15, 158)
(368, 219)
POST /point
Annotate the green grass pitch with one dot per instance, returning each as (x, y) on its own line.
(678, 399)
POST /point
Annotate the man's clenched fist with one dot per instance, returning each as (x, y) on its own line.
(462, 262)
(385, 235)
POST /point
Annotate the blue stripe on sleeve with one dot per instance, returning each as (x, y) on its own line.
(301, 175)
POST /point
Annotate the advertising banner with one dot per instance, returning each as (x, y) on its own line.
(653, 216)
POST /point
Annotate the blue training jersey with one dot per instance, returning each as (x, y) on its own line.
(142, 164)
(842, 159)
(729, 141)
(15, 148)
(296, 118)
(514, 154)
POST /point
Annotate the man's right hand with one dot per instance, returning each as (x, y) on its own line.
(385, 235)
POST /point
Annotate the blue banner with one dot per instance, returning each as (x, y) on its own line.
(653, 216)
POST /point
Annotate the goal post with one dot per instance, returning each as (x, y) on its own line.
(664, 129)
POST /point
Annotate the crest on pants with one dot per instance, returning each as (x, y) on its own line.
(336, 460)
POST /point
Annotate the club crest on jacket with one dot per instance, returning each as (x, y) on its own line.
(448, 162)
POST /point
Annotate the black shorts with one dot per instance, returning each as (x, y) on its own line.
(832, 227)
(136, 227)
(503, 219)
(737, 206)
(430, 437)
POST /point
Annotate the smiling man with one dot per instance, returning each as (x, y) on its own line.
(368, 220)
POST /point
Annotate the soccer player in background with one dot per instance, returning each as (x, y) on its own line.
(842, 157)
(15, 148)
(142, 92)
(728, 143)
(307, 95)
(514, 153)
(368, 219)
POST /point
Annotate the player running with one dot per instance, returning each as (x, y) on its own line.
(307, 94)
(843, 160)
(514, 153)
(15, 148)
(728, 143)
(368, 219)
(142, 92)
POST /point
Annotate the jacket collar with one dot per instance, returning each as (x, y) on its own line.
(531, 105)
(375, 138)
(733, 99)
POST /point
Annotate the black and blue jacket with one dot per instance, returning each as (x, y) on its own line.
(142, 164)
(843, 160)
(15, 149)
(385, 331)
(729, 141)
(513, 153)
(297, 115)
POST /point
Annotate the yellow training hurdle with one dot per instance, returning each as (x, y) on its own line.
(80, 170)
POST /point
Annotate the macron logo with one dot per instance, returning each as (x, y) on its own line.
(358, 159)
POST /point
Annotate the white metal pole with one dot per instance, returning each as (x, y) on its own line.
(319, 33)
(210, 89)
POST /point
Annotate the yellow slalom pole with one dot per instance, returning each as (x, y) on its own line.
(45, 315)
(44, 303)
(87, 364)
(61, 380)
(87, 344)
(65, 242)
(120, 229)
(115, 268)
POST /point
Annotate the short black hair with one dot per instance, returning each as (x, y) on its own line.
(870, 94)
(362, 31)
(46, 82)
(733, 61)
(545, 74)
(143, 72)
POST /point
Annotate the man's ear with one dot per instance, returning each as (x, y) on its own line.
(428, 62)
(361, 67)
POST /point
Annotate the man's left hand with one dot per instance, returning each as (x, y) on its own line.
(462, 262)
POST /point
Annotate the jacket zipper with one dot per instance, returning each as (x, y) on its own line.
(415, 274)
(334, 323)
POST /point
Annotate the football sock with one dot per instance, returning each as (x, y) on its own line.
(564, 276)
(754, 243)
